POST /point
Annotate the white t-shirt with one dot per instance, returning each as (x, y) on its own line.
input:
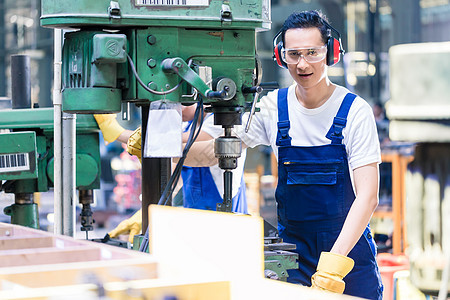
(216, 172)
(308, 127)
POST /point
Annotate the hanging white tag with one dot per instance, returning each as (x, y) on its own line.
(164, 130)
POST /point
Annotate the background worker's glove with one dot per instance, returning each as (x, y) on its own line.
(133, 225)
(331, 269)
(134, 143)
(109, 126)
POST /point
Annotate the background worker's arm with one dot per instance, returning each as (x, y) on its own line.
(201, 153)
(202, 136)
(333, 266)
(124, 136)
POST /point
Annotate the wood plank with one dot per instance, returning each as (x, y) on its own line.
(14, 230)
(45, 256)
(6, 231)
(14, 242)
(159, 289)
(36, 276)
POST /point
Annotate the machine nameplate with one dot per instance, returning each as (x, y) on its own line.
(14, 162)
(173, 2)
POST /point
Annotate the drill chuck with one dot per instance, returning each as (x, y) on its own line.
(228, 150)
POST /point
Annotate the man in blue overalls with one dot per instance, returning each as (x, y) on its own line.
(328, 155)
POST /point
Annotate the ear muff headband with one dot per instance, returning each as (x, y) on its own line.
(334, 47)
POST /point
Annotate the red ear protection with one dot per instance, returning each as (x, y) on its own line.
(334, 51)
(277, 48)
(334, 48)
(277, 55)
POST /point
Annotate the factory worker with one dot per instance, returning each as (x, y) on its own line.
(326, 143)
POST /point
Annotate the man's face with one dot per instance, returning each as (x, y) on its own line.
(306, 74)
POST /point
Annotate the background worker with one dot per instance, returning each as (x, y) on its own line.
(112, 131)
(202, 186)
(326, 142)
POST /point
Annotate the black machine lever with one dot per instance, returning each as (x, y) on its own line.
(257, 90)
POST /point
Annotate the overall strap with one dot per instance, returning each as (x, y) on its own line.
(283, 138)
(188, 126)
(340, 120)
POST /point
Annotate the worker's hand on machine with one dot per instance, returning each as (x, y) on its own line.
(109, 126)
(133, 226)
(331, 269)
(134, 143)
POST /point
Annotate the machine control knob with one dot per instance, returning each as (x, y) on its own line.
(227, 85)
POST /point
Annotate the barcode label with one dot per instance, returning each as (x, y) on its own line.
(14, 162)
(173, 2)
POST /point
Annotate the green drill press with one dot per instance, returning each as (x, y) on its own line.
(27, 152)
(141, 51)
(26, 161)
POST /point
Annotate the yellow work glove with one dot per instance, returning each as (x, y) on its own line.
(134, 143)
(331, 269)
(109, 126)
(133, 225)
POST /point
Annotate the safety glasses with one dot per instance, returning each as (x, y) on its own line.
(311, 55)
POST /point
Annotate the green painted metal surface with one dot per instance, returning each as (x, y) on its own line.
(197, 13)
(230, 53)
(41, 118)
(99, 87)
(39, 126)
(18, 155)
(101, 69)
(137, 241)
(23, 214)
(87, 163)
(92, 100)
(279, 262)
(90, 73)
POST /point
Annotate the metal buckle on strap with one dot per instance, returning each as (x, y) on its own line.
(283, 137)
(283, 128)
(339, 124)
(340, 121)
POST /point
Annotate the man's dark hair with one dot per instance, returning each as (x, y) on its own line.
(306, 19)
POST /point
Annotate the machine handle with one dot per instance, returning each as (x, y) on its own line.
(180, 67)
(270, 86)
(265, 86)
(258, 91)
(217, 94)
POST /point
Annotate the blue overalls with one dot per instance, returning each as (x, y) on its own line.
(200, 191)
(314, 195)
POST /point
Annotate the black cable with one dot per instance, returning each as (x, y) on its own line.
(133, 68)
(177, 172)
(192, 138)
